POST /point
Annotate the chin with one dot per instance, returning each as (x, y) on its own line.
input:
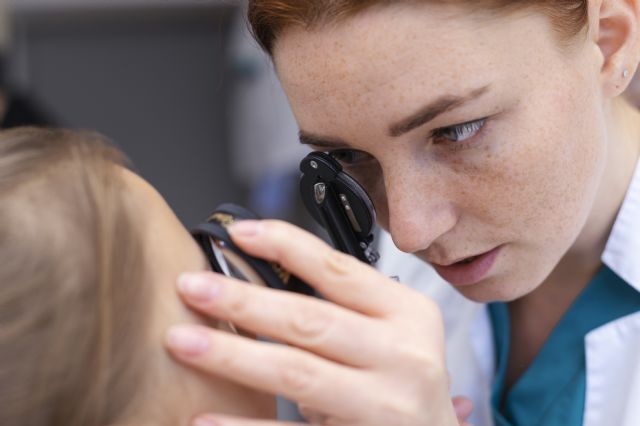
(493, 289)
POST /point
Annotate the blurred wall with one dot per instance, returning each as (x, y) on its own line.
(4, 27)
(152, 78)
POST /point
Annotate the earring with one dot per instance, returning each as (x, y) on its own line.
(625, 73)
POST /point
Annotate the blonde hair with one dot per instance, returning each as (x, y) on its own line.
(72, 291)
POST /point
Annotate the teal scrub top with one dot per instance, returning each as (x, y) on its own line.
(551, 392)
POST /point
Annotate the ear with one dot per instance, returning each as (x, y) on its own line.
(615, 28)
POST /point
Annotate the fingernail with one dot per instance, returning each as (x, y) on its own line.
(245, 228)
(188, 341)
(463, 407)
(199, 287)
(205, 421)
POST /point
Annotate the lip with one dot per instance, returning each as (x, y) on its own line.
(462, 275)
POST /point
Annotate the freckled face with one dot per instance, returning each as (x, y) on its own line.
(521, 173)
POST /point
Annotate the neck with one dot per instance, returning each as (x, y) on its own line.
(180, 392)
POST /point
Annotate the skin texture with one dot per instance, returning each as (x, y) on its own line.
(543, 179)
(178, 392)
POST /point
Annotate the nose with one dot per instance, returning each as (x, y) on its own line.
(418, 213)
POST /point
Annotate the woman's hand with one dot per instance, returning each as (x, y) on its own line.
(371, 354)
(462, 405)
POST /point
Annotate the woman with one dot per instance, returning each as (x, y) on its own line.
(496, 146)
(89, 254)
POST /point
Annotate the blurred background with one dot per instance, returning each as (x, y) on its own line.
(179, 85)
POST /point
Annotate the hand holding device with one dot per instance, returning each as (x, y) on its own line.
(335, 200)
(371, 353)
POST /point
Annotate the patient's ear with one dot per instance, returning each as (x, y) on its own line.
(614, 27)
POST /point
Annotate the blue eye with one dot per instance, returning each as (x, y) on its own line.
(459, 132)
(350, 156)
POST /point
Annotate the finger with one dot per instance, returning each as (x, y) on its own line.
(213, 420)
(338, 277)
(316, 325)
(290, 372)
(463, 407)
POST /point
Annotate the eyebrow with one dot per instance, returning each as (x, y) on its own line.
(423, 116)
(432, 110)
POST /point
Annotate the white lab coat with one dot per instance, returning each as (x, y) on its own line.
(612, 350)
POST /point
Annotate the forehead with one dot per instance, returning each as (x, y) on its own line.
(404, 49)
(390, 34)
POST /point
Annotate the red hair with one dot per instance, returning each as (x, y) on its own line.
(268, 18)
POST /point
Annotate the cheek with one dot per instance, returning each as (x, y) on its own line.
(537, 178)
(533, 177)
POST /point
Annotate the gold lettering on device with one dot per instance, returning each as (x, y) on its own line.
(223, 218)
(283, 274)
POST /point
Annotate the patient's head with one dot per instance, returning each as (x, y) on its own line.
(89, 254)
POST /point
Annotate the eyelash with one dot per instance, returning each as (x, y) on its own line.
(464, 133)
(459, 131)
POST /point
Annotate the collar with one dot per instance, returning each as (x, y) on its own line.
(622, 252)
